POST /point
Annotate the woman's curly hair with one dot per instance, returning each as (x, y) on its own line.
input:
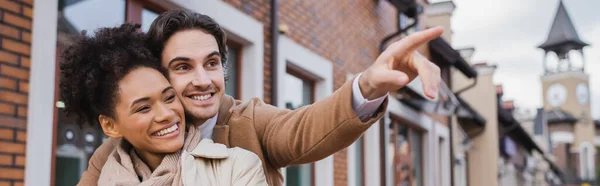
(92, 67)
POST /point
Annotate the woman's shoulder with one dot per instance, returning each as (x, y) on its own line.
(237, 154)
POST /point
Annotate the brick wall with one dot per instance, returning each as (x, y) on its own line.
(15, 42)
(347, 33)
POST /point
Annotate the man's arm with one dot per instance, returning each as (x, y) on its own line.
(312, 132)
(91, 175)
(316, 131)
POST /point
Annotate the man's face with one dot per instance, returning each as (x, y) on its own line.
(194, 66)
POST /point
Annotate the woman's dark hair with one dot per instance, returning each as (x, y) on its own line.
(170, 22)
(92, 67)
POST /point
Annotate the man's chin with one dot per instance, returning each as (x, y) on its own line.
(201, 114)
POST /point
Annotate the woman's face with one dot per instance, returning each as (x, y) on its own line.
(148, 112)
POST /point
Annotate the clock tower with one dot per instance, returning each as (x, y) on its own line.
(565, 83)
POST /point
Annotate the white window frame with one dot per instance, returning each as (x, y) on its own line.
(351, 162)
(589, 156)
(243, 29)
(240, 27)
(372, 154)
(293, 53)
(433, 131)
(40, 122)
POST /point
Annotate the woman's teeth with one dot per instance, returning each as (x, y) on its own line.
(167, 130)
(201, 98)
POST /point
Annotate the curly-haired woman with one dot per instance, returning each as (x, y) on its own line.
(113, 80)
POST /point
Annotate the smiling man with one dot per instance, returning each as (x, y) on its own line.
(192, 49)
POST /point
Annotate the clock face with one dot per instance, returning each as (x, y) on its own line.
(556, 95)
(582, 92)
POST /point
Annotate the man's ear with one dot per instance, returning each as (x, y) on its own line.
(109, 127)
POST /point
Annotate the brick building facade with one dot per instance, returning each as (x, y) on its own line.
(321, 45)
(15, 52)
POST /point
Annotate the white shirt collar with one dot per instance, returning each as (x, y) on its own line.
(206, 129)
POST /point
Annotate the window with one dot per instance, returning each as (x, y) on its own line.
(359, 165)
(232, 85)
(408, 155)
(78, 15)
(586, 160)
(299, 92)
(460, 171)
(75, 142)
(147, 17)
(356, 163)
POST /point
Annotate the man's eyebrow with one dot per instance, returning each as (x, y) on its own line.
(178, 59)
(214, 53)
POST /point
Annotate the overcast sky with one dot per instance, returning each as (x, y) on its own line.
(507, 33)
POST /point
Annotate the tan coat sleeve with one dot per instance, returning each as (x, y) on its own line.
(312, 132)
(91, 175)
(247, 168)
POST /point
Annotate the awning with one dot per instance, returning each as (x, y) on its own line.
(512, 128)
(559, 116)
(555, 169)
(469, 119)
(443, 54)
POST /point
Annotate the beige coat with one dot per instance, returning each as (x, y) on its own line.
(279, 137)
(212, 164)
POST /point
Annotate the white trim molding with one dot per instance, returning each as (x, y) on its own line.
(399, 109)
(373, 156)
(41, 95)
(291, 53)
(560, 137)
(576, 74)
(436, 144)
(243, 29)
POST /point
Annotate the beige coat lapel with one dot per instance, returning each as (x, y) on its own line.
(221, 130)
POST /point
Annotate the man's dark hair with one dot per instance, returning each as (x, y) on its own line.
(92, 67)
(170, 22)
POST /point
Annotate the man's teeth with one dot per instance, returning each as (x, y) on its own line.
(167, 130)
(201, 98)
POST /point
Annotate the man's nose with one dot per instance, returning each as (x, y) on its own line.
(201, 78)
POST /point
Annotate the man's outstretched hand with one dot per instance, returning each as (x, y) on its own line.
(399, 64)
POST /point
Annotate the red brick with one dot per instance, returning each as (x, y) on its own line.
(24, 87)
(9, 31)
(25, 62)
(21, 136)
(18, 183)
(16, 46)
(12, 122)
(20, 160)
(8, 83)
(17, 21)
(26, 36)
(15, 72)
(8, 57)
(7, 109)
(5, 183)
(7, 134)
(13, 97)
(15, 148)
(28, 12)
(6, 159)
(29, 2)
(22, 111)
(12, 173)
(9, 5)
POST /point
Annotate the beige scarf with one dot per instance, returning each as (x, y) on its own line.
(125, 168)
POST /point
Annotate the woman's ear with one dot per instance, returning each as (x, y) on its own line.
(109, 127)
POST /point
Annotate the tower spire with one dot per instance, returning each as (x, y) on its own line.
(563, 36)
